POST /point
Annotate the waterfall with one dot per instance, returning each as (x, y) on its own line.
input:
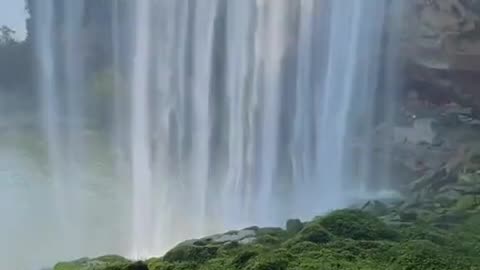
(140, 130)
(220, 115)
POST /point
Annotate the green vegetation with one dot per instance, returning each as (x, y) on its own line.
(343, 240)
(15, 60)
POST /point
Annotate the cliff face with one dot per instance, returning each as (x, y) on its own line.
(443, 51)
(445, 34)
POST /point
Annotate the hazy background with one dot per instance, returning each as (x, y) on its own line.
(12, 14)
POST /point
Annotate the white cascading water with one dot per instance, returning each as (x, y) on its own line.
(226, 114)
(140, 133)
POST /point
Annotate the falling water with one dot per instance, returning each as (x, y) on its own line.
(224, 114)
(140, 130)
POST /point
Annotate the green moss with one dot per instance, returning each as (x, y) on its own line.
(294, 226)
(408, 216)
(355, 251)
(136, 266)
(276, 232)
(357, 225)
(189, 253)
(110, 262)
(277, 260)
(217, 264)
(342, 240)
(424, 255)
(243, 258)
(315, 233)
(302, 247)
(426, 232)
(271, 236)
(269, 240)
(157, 264)
(466, 202)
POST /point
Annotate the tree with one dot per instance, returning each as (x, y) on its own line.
(6, 35)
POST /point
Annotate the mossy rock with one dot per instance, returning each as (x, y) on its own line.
(376, 208)
(268, 240)
(190, 253)
(110, 262)
(357, 225)
(408, 216)
(467, 202)
(469, 178)
(426, 232)
(315, 233)
(297, 247)
(271, 236)
(451, 217)
(243, 258)
(294, 226)
(278, 232)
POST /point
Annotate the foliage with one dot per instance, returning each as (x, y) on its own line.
(357, 225)
(110, 262)
(15, 60)
(6, 35)
(191, 253)
(315, 233)
(294, 226)
(341, 240)
(424, 255)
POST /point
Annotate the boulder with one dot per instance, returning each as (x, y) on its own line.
(245, 236)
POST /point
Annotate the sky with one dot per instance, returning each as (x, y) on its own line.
(13, 14)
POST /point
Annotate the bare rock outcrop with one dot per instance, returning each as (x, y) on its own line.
(442, 48)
